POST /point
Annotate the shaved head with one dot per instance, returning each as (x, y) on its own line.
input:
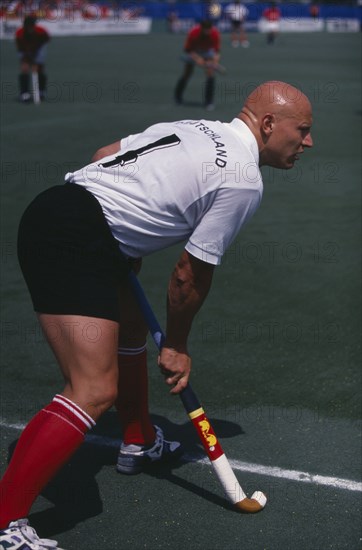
(266, 111)
(276, 97)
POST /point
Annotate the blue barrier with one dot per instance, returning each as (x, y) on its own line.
(199, 10)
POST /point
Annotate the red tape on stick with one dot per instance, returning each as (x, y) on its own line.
(206, 434)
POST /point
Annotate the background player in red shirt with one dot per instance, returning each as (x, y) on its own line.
(272, 17)
(31, 40)
(202, 47)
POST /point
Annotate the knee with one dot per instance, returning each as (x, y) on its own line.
(101, 399)
(95, 397)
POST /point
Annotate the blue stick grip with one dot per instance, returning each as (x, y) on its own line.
(187, 395)
(152, 323)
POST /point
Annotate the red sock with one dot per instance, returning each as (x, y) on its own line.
(132, 401)
(47, 442)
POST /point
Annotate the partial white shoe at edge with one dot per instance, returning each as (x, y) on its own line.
(20, 536)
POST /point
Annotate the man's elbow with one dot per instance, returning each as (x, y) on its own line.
(99, 154)
(107, 150)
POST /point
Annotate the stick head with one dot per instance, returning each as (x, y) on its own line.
(252, 505)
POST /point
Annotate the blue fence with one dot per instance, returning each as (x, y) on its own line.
(199, 10)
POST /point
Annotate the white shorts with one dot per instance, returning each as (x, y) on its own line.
(271, 26)
(210, 54)
(39, 56)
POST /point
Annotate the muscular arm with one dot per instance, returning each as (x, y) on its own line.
(106, 150)
(188, 287)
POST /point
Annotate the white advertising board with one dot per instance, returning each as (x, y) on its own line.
(79, 26)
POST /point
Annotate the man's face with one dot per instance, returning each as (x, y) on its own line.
(291, 135)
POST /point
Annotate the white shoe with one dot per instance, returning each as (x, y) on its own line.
(20, 536)
(25, 97)
(133, 459)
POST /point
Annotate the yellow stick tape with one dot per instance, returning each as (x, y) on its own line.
(196, 413)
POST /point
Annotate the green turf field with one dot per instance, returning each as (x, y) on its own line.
(276, 347)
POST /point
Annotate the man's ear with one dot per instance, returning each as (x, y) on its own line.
(267, 124)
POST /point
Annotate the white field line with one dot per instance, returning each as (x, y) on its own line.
(259, 469)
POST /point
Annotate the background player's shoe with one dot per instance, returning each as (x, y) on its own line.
(25, 97)
(20, 536)
(132, 459)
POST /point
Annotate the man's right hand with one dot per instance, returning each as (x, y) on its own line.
(175, 367)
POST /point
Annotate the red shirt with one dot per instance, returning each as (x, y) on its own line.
(30, 43)
(196, 42)
(272, 14)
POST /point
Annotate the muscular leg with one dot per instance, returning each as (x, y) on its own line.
(86, 350)
(132, 401)
(142, 444)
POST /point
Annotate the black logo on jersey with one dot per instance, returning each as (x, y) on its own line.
(132, 156)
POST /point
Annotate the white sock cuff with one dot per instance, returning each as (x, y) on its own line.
(76, 410)
(132, 351)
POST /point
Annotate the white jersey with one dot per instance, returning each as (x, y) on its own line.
(192, 180)
(236, 12)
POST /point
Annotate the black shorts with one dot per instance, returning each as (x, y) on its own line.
(70, 260)
(236, 24)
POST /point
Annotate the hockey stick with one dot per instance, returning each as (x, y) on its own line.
(218, 68)
(200, 421)
(35, 85)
